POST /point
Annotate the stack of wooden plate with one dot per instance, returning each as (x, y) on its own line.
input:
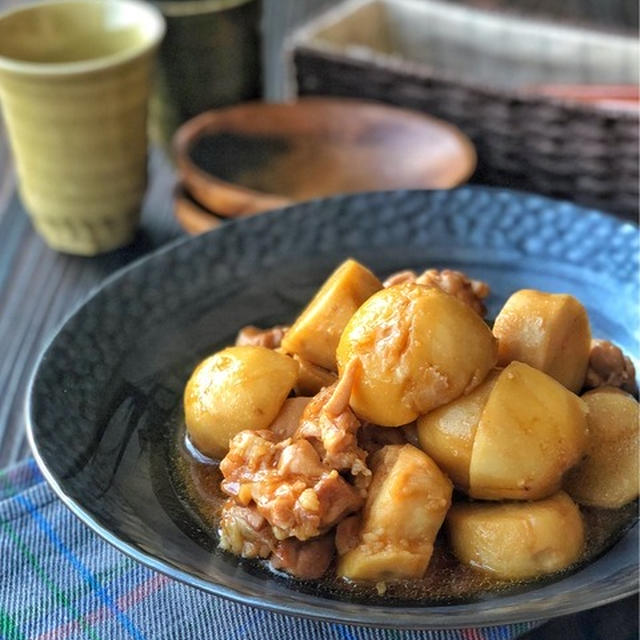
(254, 157)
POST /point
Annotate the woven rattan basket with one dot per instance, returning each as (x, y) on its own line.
(484, 72)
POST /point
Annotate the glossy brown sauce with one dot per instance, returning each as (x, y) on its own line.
(446, 580)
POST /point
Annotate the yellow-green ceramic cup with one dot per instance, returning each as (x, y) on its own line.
(75, 78)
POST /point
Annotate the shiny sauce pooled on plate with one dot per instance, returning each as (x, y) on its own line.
(446, 579)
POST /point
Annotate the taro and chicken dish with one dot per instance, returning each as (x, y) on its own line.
(390, 427)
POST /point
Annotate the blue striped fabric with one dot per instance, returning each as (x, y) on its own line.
(58, 580)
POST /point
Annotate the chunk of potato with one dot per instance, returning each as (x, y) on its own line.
(447, 433)
(549, 331)
(315, 334)
(517, 540)
(286, 423)
(312, 378)
(532, 429)
(608, 476)
(235, 389)
(418, 349)
(406, 505)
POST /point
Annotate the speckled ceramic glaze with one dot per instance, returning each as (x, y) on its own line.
(105, 399)
(74, 87)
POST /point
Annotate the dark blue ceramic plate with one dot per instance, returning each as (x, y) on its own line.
(104, 399)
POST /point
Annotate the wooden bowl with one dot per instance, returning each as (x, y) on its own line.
(192, 217)
(257, 156)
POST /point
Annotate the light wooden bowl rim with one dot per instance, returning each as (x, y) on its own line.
(233, 200)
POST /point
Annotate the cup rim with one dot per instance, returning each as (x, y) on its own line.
(25, 67)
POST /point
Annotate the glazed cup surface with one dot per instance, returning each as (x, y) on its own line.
(74, 86)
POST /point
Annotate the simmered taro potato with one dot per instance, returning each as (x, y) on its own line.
(517, 540)
(315, 334)
(532, 430)
(549, 331)
(418, 348)
(406, 506)
(312, 378)
(235, 389)
(608, 476)
(447, 433)
(286, 423)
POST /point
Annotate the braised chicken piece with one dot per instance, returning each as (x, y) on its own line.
(285, 485)
(400, 277)
(455, 283)
(348, 534)
(331, 427)
(608, 366)
(306, 560)
(288, 484)
(245, 532)
(256, 337)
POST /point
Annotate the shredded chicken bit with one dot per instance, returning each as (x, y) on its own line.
(284, 494)
(331, 427)
(608, 366)
(455, 283)
(255, 337)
